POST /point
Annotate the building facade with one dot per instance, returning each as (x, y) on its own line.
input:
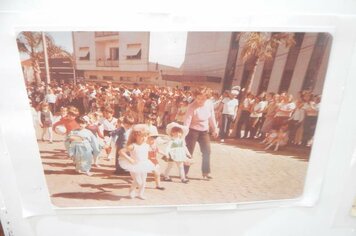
(212, 59)
(300, 67)
(119, 57)
(217, 57)
(205, 60)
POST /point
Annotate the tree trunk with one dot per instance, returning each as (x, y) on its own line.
(251, 79)
(247, 87)
(36, 72)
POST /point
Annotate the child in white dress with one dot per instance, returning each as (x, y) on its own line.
(177, 151)
(137, 163)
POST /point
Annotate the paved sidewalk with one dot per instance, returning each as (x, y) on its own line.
(242, 172)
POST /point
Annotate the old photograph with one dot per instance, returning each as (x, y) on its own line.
(174, 118)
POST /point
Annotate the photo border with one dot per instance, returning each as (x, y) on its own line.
(315, 174)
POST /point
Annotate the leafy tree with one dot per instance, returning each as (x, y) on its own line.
(30, 43)
(260, 46)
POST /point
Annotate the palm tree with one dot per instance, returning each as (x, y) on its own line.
(30, 43)
(261, 46)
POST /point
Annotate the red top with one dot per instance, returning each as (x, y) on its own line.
(68, 124)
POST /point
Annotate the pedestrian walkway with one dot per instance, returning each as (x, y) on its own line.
(242, 172)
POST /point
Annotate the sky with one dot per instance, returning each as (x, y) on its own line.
(165, 44)
(63, 39)
(162, 46)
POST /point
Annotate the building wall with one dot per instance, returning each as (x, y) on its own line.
(124, 77)
(302, 62)
(277, 69)
(84, 39)
(99, 48)
(323, 69)
(126, 38)
(279, 66)
(206, 53)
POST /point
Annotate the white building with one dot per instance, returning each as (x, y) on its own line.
(114, 56)
(214, 59)
(205, 60)
(301, 67)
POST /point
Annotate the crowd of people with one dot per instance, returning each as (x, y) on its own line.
(123, 122)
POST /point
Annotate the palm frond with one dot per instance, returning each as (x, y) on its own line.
(263, 45)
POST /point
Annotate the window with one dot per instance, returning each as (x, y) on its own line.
(133, 51)
(136, 56)
(114, 54)
(93, 77)
(141, 79)
(84, 54)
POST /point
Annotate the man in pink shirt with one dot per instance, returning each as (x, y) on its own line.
(200, 119)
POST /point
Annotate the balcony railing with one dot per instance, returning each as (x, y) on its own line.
(107, 63)
(105, 33)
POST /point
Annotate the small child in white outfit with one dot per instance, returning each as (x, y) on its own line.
(177, 151)
(137, 163)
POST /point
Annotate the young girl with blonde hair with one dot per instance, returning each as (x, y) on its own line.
(137, 162)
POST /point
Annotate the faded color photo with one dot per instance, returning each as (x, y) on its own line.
(174, 118)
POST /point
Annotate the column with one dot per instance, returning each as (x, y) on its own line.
(301, 66)
(278, 68)
(318, 89)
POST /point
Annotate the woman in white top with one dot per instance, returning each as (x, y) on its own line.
(284, 111)
(256, 114)
(229, 107)
(311, 107)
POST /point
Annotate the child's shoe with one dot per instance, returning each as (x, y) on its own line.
(167, 179)
(132, 194)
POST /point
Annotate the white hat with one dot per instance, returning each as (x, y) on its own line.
(87, 119)
(171, 125)
(141, 128)
(153, 133)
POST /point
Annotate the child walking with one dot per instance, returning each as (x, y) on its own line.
(137, 163)
(45, 119)
(177, 151)
(109, 123)
(82, 147)
(152, 156)
(121, 135)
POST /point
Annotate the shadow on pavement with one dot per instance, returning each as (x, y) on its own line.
(89, 196)
(61, 172)
(56, 164)
(102, 187)
(300, 153)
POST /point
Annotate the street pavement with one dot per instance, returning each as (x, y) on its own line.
(242, 172)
